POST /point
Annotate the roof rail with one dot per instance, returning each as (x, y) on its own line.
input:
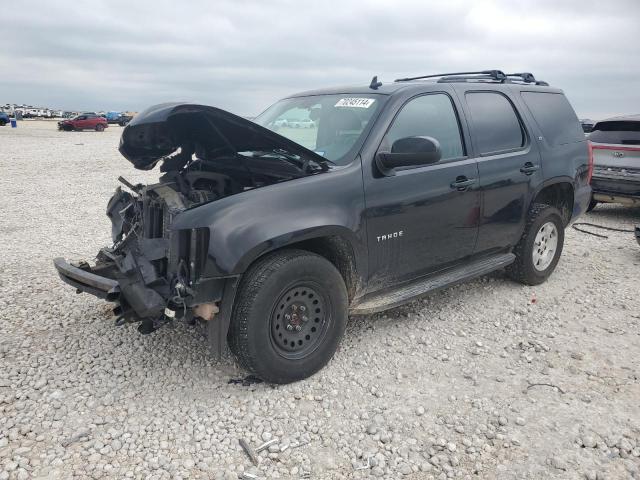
(497, 76)
(527, 77)
(493, 74)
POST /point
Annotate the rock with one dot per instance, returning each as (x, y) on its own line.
(420, 411)
(377, 472)
(520, 421)
(625, 445)
(589, 441)
(230, 475)
(558, 463)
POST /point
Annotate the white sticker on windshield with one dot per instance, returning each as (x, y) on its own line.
(355, 102)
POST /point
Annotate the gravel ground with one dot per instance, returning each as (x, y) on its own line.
(489, 379)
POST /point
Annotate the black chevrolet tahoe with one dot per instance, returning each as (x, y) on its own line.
(269, 236)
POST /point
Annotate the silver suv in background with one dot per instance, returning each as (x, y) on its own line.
(615, 145)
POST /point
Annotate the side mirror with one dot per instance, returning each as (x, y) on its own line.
(409, 152)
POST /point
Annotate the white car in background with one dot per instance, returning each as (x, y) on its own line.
(304, 123)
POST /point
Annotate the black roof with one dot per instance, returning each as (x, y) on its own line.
(485, 77)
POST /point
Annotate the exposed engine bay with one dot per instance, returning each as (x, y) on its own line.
(156, 273)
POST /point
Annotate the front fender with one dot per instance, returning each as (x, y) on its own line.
(244, 226)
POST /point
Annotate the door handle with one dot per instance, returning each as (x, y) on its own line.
(462, 183)
(529, 168)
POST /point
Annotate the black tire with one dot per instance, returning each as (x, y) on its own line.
(523, 269)
(99, 127)
(3, 122)
(592, 205)
(258, 333)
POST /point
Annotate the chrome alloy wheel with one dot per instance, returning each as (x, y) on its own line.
(545, 246)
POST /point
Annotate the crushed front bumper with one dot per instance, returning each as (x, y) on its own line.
(84, 280)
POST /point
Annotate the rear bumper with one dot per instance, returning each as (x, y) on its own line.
(614, 186)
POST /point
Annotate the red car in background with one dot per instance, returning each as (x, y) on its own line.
(85, 121)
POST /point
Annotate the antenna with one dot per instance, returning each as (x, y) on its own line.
(375, 83)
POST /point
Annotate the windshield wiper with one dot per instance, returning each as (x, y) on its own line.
(291, 158)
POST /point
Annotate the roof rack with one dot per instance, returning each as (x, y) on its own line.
(491, 76)
(526, 77)
(495, 74)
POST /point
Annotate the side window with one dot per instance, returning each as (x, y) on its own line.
(433, 116)
(554, 116)
(496, 126)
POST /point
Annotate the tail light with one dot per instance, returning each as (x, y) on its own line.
(590, 164)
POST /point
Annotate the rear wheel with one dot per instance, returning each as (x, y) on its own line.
(99, 127)
(539, 249)
(3, 122)
(289, 316)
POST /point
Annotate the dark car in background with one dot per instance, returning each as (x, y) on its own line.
(615, 144)
(84, 121)
(123, 120)
(587, 124)
(4, 119)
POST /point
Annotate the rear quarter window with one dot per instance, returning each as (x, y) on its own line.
(554, 115)
(618, 132)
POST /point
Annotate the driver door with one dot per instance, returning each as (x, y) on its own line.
(81, 122)
(422, 219)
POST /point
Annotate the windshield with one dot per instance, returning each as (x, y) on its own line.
(331, 125)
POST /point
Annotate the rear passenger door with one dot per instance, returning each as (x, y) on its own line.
(508, 165)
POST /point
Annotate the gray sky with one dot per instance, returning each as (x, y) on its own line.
(243, 55)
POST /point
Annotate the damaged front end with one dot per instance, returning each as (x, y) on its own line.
(155, 273)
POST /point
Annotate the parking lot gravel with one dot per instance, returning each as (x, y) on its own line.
(489, 379)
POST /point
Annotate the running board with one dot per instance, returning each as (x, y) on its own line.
(417, 288)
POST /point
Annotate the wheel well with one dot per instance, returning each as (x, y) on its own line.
(559, 195)
(339, 252)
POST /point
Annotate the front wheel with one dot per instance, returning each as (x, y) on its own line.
(539, 249)
(289, 316)
(99, 127)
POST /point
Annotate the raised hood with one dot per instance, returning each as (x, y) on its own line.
(160, 130)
